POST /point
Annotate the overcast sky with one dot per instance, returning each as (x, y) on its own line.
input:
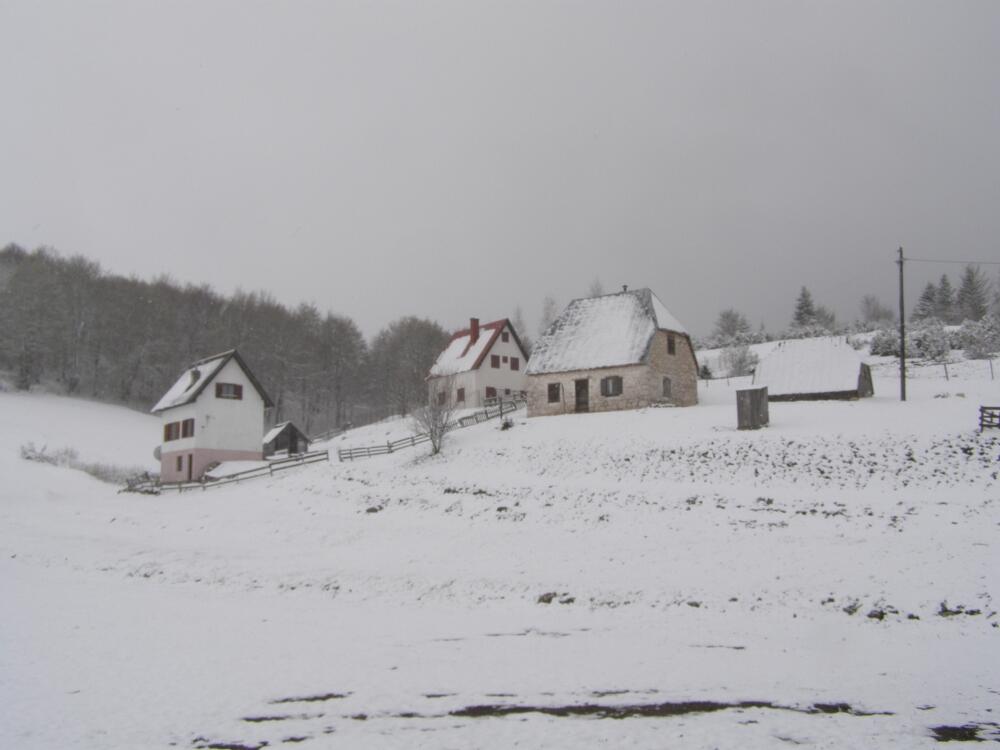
(448, 159)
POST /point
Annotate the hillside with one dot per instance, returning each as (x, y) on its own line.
(830, 581)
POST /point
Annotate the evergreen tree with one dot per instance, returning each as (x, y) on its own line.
(944, 302)
(972, 301)
(805, 310)
(926, 306)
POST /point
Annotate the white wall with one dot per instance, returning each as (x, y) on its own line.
(230, 424)
(476, 381)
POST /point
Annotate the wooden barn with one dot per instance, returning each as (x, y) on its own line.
(814, 370)
(287, 438)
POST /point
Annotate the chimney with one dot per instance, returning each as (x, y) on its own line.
(624, 288)
(473, 330)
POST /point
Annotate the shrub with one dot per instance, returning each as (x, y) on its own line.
(980, 339)
(930, 342)
(885, 343)
(68, 457)
(738, 360)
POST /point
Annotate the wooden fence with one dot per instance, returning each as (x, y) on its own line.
(492, 412)
(272, 468)
(989, 416)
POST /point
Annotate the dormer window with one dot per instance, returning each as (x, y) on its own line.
(229, 390)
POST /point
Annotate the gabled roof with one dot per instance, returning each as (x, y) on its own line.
(196, 378)
(462, 355)
(820, 365)
(279, 428)
(611, 330)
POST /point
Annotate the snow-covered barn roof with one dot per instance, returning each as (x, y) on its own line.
(463, 354)
(196, 378)
(820, 365)
(273, 433)
(607, 331)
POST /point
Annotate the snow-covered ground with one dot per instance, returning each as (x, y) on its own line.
(645, 579)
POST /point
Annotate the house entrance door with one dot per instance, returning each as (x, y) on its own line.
(582, 395)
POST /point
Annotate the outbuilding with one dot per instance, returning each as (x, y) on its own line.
(814, 370)
(287, 438)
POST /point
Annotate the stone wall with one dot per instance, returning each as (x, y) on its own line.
(642, 384)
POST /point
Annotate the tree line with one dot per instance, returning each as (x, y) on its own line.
(126, 340)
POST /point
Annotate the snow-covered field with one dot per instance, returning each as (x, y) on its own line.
(649, 579)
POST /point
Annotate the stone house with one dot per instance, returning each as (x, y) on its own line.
(616, 351)
(480, 363)
(214, 412)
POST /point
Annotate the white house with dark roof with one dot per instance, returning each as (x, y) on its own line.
(615, 351)
(480, 362)
(214, 412)
(813, 370)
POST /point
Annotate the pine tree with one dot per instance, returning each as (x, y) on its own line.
(805, 310)
(944, 302)
(926, 306)
(972, 301)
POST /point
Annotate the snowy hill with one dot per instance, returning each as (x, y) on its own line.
(829, 581)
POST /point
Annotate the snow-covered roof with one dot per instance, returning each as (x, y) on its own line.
(607, 331)
(275, 431)
(820, 365)
(463, 354)
(195, 378)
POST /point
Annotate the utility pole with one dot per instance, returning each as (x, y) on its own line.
(902, 332)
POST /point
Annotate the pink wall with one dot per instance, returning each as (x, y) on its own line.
(200, 459)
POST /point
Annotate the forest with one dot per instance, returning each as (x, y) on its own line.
(68, 323)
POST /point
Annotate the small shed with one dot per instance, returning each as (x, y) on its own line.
(285, 437)
(814, 370)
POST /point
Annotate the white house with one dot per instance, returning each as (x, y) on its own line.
(480, 362)
(213, 413)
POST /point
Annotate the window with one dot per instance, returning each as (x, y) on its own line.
(179, 463)
(505, 337)
(491, 392)
(171, 431)
(671, 344)
(187, 428)
(460, 396)
(666, 388)
(495, 361)
(553, 393)
(611, 386)
(441, 398)
(505, 360)
(515, 363)
(506, 391)
(229, 390)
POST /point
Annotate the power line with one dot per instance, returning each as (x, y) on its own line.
(959, 262)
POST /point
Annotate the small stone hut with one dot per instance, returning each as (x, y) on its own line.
(615, 351)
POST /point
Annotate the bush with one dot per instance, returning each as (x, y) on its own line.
(738, 360)
(930, 342)
(980, 339)
(68, 457)
(885, 343)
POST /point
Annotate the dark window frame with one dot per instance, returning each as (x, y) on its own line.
(460, 396)
(232, 391)
(495, 361)
(671, 344)
(187, 428)
(505, 337)
(612, 386)
(515, 364)
(171, 431)
(555, 393)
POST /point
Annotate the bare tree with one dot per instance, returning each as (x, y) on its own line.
(874, 313)
(596, 288)
(550, 309)
(738, 360)
(435, 418)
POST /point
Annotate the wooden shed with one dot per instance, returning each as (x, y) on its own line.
(285, 437)
(813, 370)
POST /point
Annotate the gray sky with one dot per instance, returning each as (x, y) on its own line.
(448, 159)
